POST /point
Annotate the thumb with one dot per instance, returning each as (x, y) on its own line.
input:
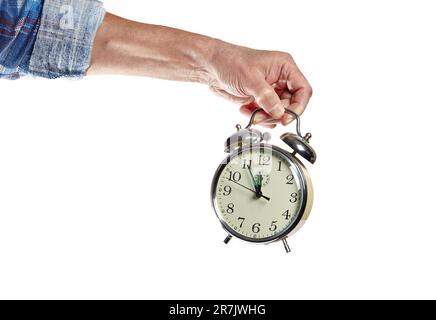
(266, 97)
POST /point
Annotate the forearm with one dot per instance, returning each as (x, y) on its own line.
(254, 78)
(127, 47)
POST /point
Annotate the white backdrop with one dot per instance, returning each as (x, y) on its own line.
(104, 182)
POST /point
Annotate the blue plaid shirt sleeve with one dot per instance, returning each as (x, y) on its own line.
(50, 39)
(19, 23)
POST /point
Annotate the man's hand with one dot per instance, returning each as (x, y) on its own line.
(267, 79)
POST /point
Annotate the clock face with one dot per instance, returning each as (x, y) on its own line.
(258, 194)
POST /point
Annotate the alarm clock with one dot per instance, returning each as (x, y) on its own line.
(262, 193)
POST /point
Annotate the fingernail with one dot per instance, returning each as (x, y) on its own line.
(277, 111)
(288, 119)
(259, 118)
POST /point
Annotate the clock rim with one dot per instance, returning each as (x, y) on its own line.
(306, 191)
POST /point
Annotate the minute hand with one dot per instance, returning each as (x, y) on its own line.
(261, 195)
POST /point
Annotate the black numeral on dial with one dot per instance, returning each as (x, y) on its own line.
(242, 221)
(247, 164)
(290, 179)
(264, 160)
(294, 198)
(286, 215)
(256, 228)
(235, 176)
(230, 208)
(227, 190)
(273, 226)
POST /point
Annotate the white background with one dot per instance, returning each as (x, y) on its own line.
(104, 182)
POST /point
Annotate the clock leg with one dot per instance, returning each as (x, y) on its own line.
(227, 240)
(285, 243)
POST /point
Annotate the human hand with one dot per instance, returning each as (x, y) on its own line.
(254, 78)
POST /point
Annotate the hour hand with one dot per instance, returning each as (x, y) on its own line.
(259, 182)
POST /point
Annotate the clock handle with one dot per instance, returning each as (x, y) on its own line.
(292, 113)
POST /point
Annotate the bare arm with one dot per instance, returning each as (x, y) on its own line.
(253, 78)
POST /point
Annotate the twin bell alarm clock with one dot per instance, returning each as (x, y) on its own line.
(262, 193)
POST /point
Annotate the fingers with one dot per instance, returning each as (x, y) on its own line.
(293, 94)
(231, 97)
(299, 94)
(287, 118)
(262, 118)
(266, 97)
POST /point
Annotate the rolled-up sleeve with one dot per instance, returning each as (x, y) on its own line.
(19, 23)
(65, 37)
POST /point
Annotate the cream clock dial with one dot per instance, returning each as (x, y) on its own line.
(258, 194)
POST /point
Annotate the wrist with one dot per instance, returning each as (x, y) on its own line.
(204, 54)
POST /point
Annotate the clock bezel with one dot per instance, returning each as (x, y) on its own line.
(305, 191)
